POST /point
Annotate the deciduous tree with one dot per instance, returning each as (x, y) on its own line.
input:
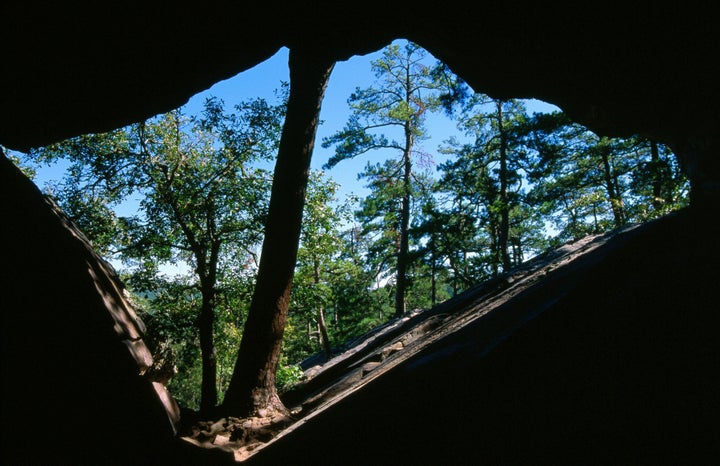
(201, 199)
(252, 387)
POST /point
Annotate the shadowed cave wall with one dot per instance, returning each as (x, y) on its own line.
(73, 358)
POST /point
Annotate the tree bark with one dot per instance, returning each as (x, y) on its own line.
(433, 270)
(504, 232)
(208, 386)
(324, 338)
(207, 270)
(252, 387)
(656, 176)
(322, 328)
(611, 187)
(402, 260)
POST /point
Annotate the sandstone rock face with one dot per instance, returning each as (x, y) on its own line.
(624, 70)
(72, 353)
(73, 357)
(620, 71)
(602, 353)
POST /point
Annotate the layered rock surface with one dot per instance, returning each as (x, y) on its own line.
(73, 356)
(568, 359)
(603, 352)
(618, 364)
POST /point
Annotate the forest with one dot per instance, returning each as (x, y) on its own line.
(512, 186)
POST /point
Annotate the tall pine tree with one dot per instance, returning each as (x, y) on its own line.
(406, 90)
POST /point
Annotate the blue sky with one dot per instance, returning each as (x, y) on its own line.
(262, 81)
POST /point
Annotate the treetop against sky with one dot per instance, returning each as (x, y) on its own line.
(266, 78)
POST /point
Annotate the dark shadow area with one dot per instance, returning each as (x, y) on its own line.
(611, 359)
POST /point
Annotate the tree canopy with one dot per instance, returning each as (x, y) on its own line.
(194, 192)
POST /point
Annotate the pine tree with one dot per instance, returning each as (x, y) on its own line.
(406, 90)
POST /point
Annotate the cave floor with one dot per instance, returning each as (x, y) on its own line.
(370, 356)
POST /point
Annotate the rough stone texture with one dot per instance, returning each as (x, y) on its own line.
(605, 353)
(72, 349)
(69, 68)
(625, 361)
(620, 70)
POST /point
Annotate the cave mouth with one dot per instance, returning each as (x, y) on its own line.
(594, 77)
(352, 71)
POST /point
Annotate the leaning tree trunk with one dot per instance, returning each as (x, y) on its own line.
(252, 386)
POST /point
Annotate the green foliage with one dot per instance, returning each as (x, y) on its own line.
(192, 191)
(584, 184)
(287, 375)
(482, 220)
(406, 89)
(184, 386)
(330, 276)
(27, 168)
(201, 200)
(169, 314)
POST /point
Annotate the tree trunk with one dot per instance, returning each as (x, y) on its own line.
(656, 176)
(494, 246)
(402, 261)
(322, 328)
(611, 187)
(504, 232)
(208, 386)
(207, 271)
(324, 339)
(517, 252)
(433, 271)
(252, 387)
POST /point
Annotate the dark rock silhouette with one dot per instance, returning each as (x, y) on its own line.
(603, 354)
(612, 360)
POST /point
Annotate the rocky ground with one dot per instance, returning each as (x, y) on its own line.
(366, 358)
